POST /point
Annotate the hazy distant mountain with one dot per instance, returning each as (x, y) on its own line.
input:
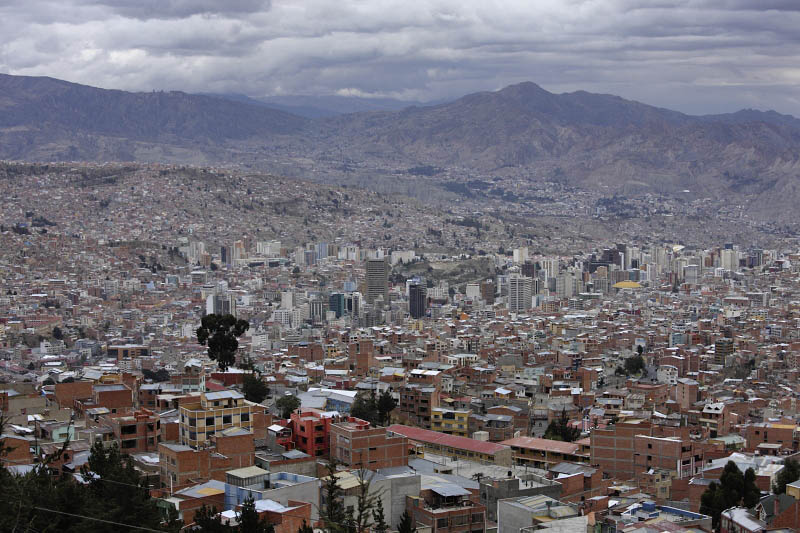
(337, 105)
(45, 118)
(584, 139)
(580, 138)
(321, 106)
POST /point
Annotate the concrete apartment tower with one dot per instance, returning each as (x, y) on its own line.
(377, 280)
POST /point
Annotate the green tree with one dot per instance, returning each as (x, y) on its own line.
(287, 404)
(332, 514)
(634, 364)
(159, 376)
(254, 389)
(220, 333)
(208, 520)
(789, 474)
(559, 429)
(249, 522)
(379, 524)
(406, 524)
(57, 333)
(734, 488)
(305, 528)
(386, 404)
(365, 407)
(366, 501)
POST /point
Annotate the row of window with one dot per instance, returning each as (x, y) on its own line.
(226, 419)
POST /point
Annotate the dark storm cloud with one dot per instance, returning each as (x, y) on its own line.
(693, 55)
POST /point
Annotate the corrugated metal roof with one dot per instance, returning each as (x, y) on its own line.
(450, 489)
(432, 437)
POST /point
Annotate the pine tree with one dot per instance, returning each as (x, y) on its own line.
(366, 502)
(208, 520)
(305, 528)
(249, 522)
(386, 404)
(333, 514)
(406, 524)
(379, 524)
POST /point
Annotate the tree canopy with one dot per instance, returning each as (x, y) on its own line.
(287, 404)
(111, 496)
(406, 524)
(220, 333)
(634, 364)
(789, 474)
(375, 409)
(734, 488)
(559, 429)
(254, 389)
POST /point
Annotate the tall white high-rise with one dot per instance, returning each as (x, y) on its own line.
(520, 295)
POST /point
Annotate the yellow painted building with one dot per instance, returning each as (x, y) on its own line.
(217, 411)
(450, 421)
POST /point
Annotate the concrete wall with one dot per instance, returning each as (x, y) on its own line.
(396, 504)
(494, 490)
(303, 492)
(511, 517)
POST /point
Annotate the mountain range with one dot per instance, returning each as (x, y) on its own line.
(580, 138)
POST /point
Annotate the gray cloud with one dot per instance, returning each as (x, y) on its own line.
(693, 55)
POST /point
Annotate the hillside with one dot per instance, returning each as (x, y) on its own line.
(48, 119)
(524, 132)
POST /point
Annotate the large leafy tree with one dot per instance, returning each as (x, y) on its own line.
(287, 404)
(386, 404)
(220, 333)
(254, 389)
(365, 407)
(734, 488)
(559, 429)
(789, 474)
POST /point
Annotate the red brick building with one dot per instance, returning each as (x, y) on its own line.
(311, 431)
(356, 444)
(182, 465)
(138, 432)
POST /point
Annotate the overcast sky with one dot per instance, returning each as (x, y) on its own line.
(697, 56)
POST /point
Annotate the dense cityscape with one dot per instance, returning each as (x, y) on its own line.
(394, 367)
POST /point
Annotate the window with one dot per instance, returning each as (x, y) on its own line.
(192, 422)
(226, 419)
(209, 421)
(649, 445)
(441, 523)
(245, 417)
(477, 517)
(127, 444)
